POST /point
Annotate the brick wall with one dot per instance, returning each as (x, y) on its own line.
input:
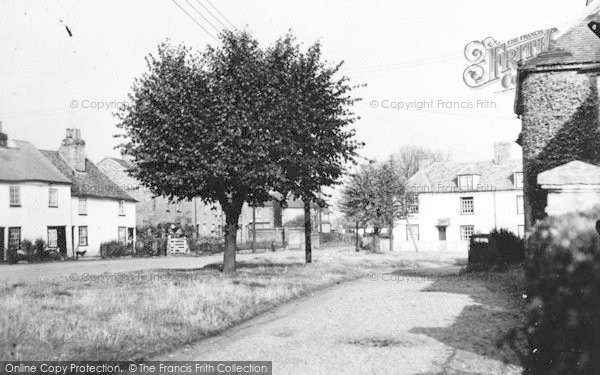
(559, 124)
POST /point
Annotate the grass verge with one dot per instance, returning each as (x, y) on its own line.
(137, 315)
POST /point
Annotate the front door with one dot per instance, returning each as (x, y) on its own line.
(2, 252)
(442, 237)
(57, 239)
(62, 240)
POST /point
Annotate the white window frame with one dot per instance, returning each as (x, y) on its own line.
(124, 238)
(520, 204)
(463, 232)
(53, 238)
(82, 237)
(14, 196)
(466, 181)
(52, 197)
(410, 232)
(121, 207)
(464, 206)
(518, 180)
(82, 206)
(11, 239)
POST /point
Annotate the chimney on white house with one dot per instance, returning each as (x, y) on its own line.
(72, 149)
(3, 137)
(502, 153)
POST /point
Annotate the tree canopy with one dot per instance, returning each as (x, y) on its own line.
(236, 123)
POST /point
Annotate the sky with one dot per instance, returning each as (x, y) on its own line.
(405, 51)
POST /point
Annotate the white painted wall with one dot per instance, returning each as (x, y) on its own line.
(34, 216)
(491, 209)
(103, 222)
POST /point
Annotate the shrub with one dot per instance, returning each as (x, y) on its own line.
(114, 248)
(502, 249)
(563, 288)
(206, 245)
(335, 237)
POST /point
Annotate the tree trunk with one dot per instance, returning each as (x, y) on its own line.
(375, 243)
(253, 229)
(307, 231)
(391, 234)
(356, 237)
(232, 216)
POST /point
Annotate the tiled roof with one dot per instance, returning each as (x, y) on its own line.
(443, 176)
(123, 163)
(23, 162)
(92, 183)
(578, 45)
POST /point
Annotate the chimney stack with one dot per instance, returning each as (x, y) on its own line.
(72, 149)
(3, 137)
(502, 153)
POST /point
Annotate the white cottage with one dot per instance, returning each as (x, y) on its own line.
(459, 199)
(61, 197)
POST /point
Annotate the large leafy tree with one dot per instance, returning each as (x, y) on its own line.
(216, 125)
(317, 109)
(204, 125)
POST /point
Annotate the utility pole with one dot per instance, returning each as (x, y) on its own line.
(253, 229)
(356, 237)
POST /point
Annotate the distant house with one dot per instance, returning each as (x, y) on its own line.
(557, 100)
(61, 197)
(458, 199)
(152, 210)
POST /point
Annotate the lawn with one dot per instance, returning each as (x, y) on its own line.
(137, 315)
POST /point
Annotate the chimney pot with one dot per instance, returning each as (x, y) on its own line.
(502, 153)
(72, 149)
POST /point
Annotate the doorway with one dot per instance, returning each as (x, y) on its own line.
(442, 237)
(57, 238)
(2, 251)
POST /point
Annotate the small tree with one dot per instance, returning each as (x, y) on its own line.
(373, 197)
(317, 112)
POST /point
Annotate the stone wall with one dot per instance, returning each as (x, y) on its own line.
(559, 124)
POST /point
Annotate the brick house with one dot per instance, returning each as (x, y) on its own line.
(152, 210)
(557, 101)
(458, 199)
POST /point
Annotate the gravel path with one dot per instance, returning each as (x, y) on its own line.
(385, 324)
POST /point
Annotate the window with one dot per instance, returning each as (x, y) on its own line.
(518, 180)
(466, 231)
(83, 236)
(465, 182)
(15, 196)
(14, 237)
(168, 207)
(519, 204)
(52, 238)
(122, 208)
(412, 232)
(122, 234)
(521, 231)
(52, 198)
(466, 206)
(177, 208)
(82, 206)
(413, 205)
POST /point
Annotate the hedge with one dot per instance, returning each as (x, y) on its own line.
(114, 248)
(563, 290)
(502, 249)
